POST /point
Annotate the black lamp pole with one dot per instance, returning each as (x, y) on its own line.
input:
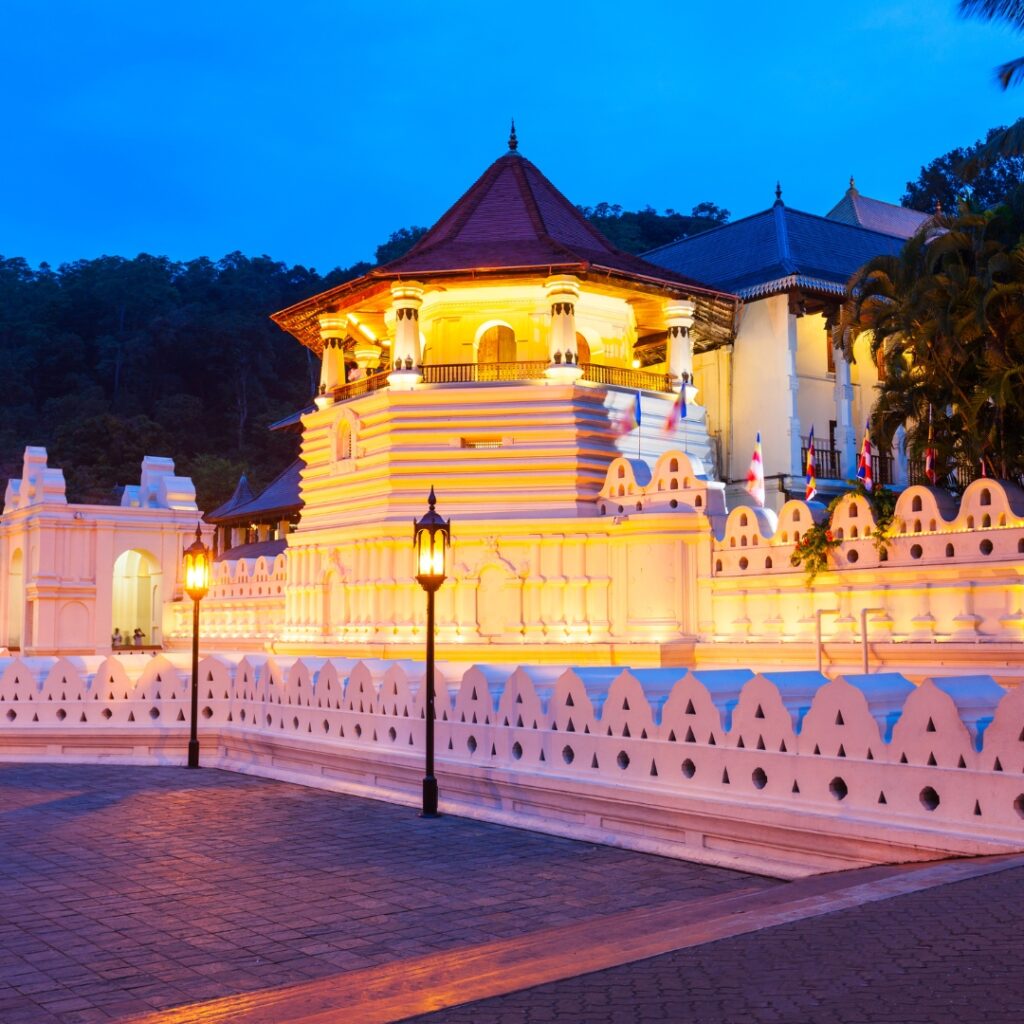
(429, 779)
(431, 540)
(193, 740)
(197, 583)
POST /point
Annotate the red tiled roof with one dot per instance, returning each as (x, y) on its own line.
(514, 218)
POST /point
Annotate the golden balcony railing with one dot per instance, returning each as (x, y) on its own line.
(472, 373)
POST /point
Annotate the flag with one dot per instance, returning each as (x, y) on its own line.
(984, 474)
(864, 462)
(812, 483)
(678, 411)
(929, 453)
(755, 475)
(631, 418)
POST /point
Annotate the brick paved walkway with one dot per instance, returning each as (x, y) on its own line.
(129, 889)
(950, 955)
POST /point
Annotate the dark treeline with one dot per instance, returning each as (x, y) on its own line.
(110, 359)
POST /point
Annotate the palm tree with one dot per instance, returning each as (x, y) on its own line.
(947, 316)
(1010, 141)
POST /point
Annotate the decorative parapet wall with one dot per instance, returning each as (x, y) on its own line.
(785, 774)
(246, 603)
(945, 573)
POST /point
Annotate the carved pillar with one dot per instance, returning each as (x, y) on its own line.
(563, 293)
(407, 297)
(846, 430)
(679, 346)
(796, 467)
(333, 328)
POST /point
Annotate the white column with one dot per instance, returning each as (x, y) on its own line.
(846, 431)
(333, 328)
(407, 297)
(796, 467)
(563, 292)
(679, 346)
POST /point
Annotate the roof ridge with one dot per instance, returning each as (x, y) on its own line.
(782, 238)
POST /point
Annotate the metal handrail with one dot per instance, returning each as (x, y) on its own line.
(472, 373)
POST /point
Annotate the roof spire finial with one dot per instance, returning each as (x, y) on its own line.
(778, 192)
(513, 142)
(853, 184)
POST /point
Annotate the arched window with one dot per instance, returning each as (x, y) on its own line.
(497, 345)
(342, 440)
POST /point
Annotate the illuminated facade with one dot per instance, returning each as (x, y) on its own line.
(497, 363)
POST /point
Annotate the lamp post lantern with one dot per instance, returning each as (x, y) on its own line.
(197, 583)
(432, 537)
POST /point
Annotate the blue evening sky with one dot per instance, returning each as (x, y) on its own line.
(311, 130)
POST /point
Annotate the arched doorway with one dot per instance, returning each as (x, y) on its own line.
(582, 349)
(137, 600)
(15, 599)
(497, 345)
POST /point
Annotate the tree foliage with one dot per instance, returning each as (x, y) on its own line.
(942, 183)
(948, 316)
(110, 359)
(640, 231)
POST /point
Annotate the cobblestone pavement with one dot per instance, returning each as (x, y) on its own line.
(949, 955)
(129, 889)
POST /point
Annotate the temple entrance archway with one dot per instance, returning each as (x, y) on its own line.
(15, 599)
(137, 597)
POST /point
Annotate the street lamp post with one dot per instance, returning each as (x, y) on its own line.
(432, 537)
(197, 583)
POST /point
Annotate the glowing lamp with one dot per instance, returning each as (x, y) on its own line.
(197, 568)
(431, 540)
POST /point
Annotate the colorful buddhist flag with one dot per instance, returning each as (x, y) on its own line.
(812, 481)
(755, 475)
(631, 417)
(864, 462)
(678, 411)
(929, 453)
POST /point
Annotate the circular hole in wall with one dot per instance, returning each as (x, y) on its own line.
(392, 735)
(673, 503)
(107, 713)
(620, 508)
(689, 769)
(622, 760)
(359, 729)
(758, 777)
(838, 788)
(1018, 805)
(268, 719)
(61, 715)
(743, 563)
(471, 744)
(154, 712)
(207, 712)
(568, 755)
(916, 551)
(929, 798)
(517, 750)
(985, 547)
(853, 556)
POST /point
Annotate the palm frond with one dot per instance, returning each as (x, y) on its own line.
(1011, 11)
(1010, 73)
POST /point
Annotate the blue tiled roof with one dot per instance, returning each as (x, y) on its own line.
(280, 495)
(775, 250)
